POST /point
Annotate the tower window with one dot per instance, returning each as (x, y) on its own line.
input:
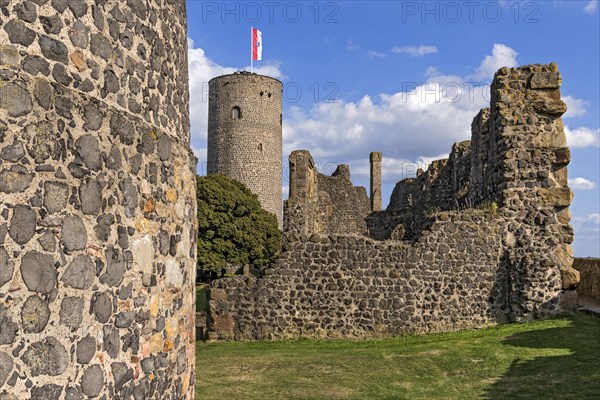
(236, 113)
(260, 147)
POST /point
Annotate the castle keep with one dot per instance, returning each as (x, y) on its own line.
(98, 202)
(244, 134)
(480, 238)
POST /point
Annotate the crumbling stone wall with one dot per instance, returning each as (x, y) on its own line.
(528, 174)
(482, 237)
(444, 186)
(589, 270)
(98, 210)
(350, 286)
(321, 203)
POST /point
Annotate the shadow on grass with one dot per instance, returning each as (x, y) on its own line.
(575, 375)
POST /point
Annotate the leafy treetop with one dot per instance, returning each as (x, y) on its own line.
(233, 229)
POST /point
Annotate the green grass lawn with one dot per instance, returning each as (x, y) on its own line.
(552, 359)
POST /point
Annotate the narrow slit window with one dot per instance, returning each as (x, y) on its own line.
(236, 113)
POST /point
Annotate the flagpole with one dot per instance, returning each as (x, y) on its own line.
(251, 49)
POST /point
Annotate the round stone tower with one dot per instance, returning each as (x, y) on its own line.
(98, 208)
(244, 134)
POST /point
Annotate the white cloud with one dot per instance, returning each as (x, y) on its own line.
(587, 235)
(411, 127)
(375, 54)
(423, 120)
(502, 56)
(415, 51)
(583, 137)
(580, 183)
(351, 46)
(431, 71)
(428, 160)
(575, 107)
(592, 220)
(201, 70)
(591, 7)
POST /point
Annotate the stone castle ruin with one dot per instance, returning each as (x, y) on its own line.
(98, 201)
(480, 238)
(98, 211)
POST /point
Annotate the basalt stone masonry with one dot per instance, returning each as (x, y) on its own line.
(244, 134)
(480, 238)
(98, 210)
(321, 203)
(589, 270)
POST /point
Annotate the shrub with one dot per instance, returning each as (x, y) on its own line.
(233, 229)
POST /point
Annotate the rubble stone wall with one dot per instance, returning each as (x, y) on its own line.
(98, 210)
(320, 203)
(332, 286)
(482, 237)
(589, 270)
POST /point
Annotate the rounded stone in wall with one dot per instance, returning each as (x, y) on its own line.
(80, 273)
(71, 312)
(22, 224)
(38, 272)
(6, 267)
(35, 314)
(92, 381)
(6, 365)
(46, 357)
(86, 348)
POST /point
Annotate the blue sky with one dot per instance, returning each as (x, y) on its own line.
(383, 76)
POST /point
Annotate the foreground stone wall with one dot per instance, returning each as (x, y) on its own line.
(589, 270)
(349, 286)
(480, 238)
(97, 219)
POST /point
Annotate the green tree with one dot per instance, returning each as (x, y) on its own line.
(233, 228)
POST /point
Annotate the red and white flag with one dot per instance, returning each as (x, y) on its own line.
(256, 45)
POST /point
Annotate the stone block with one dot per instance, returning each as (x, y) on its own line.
(9, 56)
(545, 80)
(217, 294)
(556, 196)
(545, 105)
(223, 325)
(570, 278)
